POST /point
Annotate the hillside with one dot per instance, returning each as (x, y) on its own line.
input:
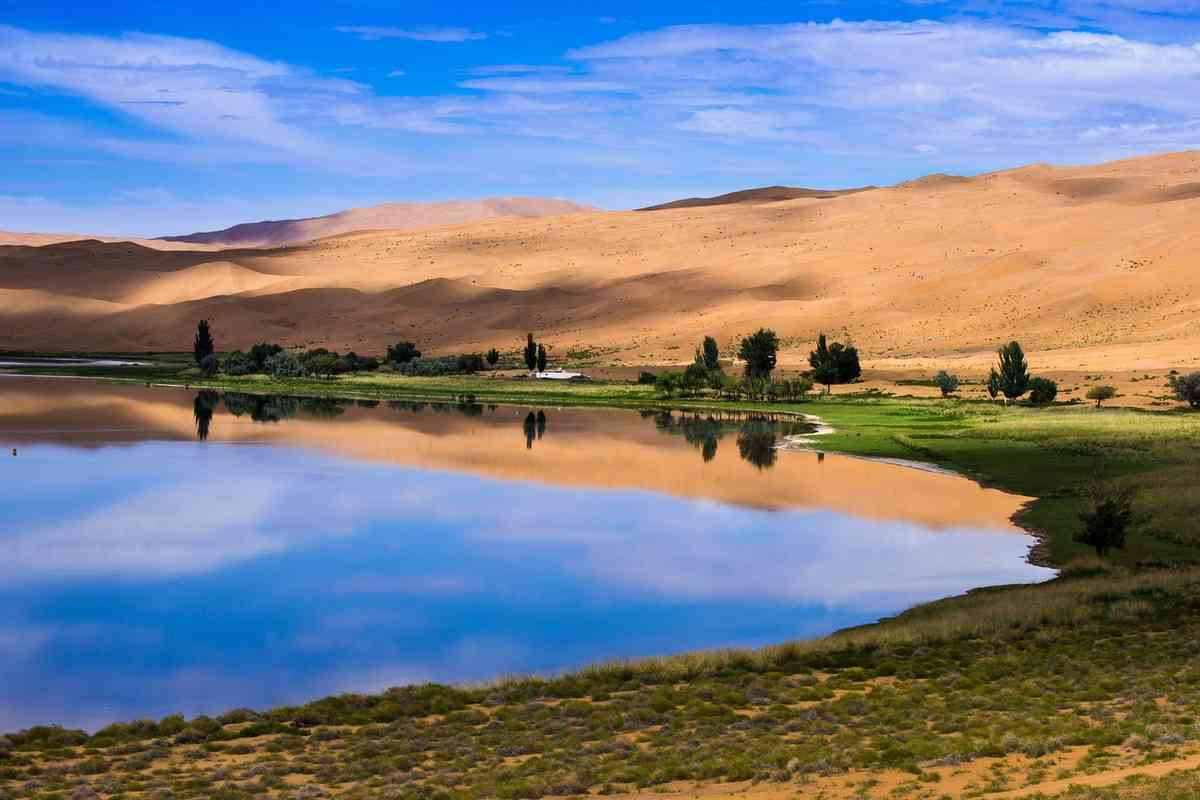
(388, 216)
(1092, 267)
(766, 194)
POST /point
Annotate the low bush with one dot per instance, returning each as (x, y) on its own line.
(1042, 391)
(239, 363)
(946, 382)
(1187, 388)
(284, 365)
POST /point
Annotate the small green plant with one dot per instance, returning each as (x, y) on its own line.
(946, 382)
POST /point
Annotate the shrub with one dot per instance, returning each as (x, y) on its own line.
(284, 365)
(402, 352)
(647, 378)
(353, 362)
(1042, 391)
(493, 356)
(993, 384)
(759, 351)
(239, 363)
(946, 382)
(1187, 388)
(261, 352)
(667, 383)
(1101, 393)
(319, 362)
(210, 365)
(1107, 518)
(470, 363)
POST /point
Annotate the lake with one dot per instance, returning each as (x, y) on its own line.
(168, 550)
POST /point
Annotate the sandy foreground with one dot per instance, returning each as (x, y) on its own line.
(1092, 268)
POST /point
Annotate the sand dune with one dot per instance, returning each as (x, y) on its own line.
(766, 194)
(1091, 267)
(389, 216)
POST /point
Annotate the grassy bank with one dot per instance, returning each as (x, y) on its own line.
(1079, 680)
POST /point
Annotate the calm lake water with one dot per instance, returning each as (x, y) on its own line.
(167, 550)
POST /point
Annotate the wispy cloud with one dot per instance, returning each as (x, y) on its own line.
(374, 33)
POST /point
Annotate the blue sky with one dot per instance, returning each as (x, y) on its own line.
(155, 118)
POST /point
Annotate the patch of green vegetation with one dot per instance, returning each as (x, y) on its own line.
(1102, 659)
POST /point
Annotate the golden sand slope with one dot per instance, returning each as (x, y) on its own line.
(1091, 267)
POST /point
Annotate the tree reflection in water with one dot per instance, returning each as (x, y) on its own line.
(757, 434)
(202, 409)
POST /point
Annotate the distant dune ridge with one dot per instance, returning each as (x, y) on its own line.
(388, 216)
(1090, 267)
(765, 194)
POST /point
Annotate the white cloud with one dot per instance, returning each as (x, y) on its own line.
(397, 73)
(374, 33)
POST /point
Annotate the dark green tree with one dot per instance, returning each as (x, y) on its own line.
(1042, 391)
(541, 358)
(1187, 388)
(403, 352)
(203, 345)
(1107, 518)
(846, 359)
(759, 351)
(695, 378)
(531, 353)
(711, 353)
(824, 365)
(993, 384)
(493, 356)
(1014, 371)
(1101, 393)
(260, 352)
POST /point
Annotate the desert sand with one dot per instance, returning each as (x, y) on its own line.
(1092, 268)
(387, 216)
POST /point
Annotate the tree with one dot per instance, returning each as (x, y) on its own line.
(824, 366)
(712, 354)
(320, 362)
(260, 352)
(203, 346)
(470, 363)
(759, 351)
(402, 352)
(993, 384)
(1187, 388)
(493, 356)
(284, 365)
(845, 359)
(695, 377)
(531, 353)
(1101, 393)
(946, 382)
(667, 383)
(1042, 391)
(1014, 371)
(541, 358)
(1107, 518)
